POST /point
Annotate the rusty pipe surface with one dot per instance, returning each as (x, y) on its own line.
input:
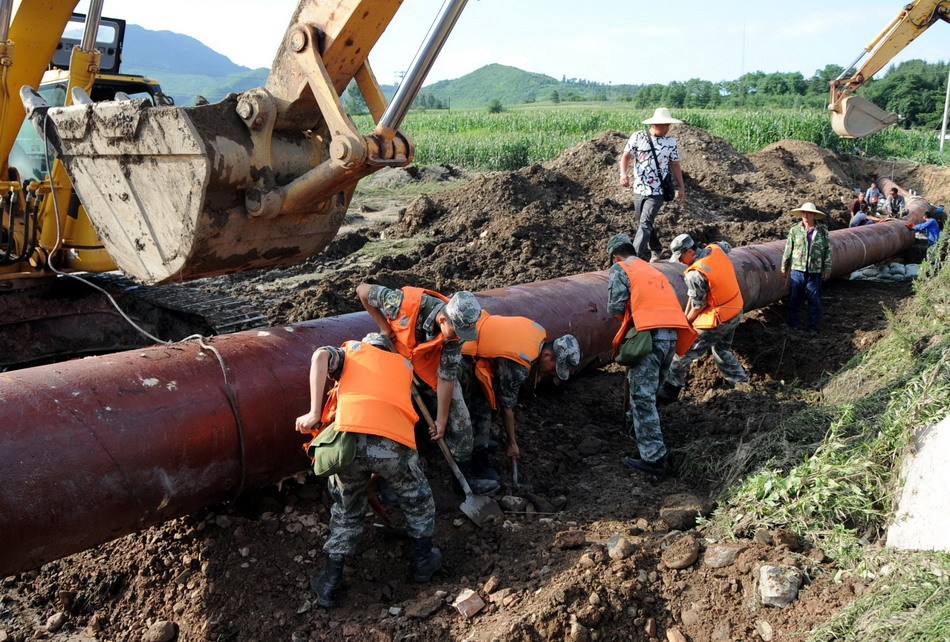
(917, 206)
(96, 448)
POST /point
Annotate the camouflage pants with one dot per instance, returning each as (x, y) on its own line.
(719, 340)
(481, 414)
(644, 379)
(458, 431)
(399, 465)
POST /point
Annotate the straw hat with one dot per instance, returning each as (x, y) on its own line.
(809, 207)
(661, 117)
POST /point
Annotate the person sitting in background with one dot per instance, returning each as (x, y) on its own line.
(864, 217)
(873, 192)
(895, 205)
(876, 205)
(858, 204)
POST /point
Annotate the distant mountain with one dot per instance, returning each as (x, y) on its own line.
(513, 86)
(184, 66)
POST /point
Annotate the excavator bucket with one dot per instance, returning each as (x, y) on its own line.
(856, 117)
(167, 188)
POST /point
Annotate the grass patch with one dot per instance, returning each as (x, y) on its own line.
(841, 493)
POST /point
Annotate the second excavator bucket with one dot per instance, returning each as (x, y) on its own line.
(855, 117)
(167, 187)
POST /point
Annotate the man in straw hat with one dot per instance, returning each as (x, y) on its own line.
(654, 155)
(808, 256)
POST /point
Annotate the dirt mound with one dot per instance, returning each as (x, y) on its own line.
(241, 571)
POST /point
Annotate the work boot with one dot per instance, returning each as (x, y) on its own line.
(656, 468)
(327, 582)
(481, 468)
(426, 559)
(668, 393)
(478, 484)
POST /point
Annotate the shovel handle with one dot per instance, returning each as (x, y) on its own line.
(445, 449)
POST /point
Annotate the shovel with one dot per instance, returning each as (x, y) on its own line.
(476, 507)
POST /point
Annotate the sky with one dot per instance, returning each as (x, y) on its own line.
(607, 41)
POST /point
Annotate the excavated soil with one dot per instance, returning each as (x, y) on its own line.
(554, 568)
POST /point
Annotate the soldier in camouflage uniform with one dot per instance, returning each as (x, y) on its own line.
(718, 338)
(808, 256)
(643, 420)
(455, 321)
(557, 358)
(396, 462)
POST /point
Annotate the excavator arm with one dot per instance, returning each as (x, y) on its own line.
(260, 179)
(855, 117)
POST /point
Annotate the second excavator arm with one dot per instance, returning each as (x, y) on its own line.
(855, 117)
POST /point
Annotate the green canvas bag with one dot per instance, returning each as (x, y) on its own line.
(332, 450)
(635, 345)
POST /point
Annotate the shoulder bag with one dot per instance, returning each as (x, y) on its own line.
(666, 180)
(332, 451)
(635, 345)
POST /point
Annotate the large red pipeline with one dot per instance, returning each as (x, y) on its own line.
(96, 448)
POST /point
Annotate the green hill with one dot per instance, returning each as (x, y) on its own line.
(514, 86)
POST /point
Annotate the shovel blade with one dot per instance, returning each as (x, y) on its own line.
(479, 509)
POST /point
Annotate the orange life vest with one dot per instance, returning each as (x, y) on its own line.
(515, 338)
(373, 395)
(424, 356)
(724, 300)
(652, 304)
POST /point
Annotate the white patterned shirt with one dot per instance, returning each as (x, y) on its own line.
(646, 180)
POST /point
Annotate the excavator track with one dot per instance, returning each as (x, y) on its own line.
(60, 319)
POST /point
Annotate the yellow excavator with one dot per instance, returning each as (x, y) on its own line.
(856, 117)
(121, 179)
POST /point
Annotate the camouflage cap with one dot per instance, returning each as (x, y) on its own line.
(679, 245)
(463, 311)
(724, 246)
(378, 340)
(616, 241)
(567, 354)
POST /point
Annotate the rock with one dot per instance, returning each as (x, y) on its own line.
(579, 632)
(764, 629)
(395, 611)
(468, 603)
(778, 586)
(66, 599)
(55, 622)
(594, 599)
(650, 627)
(786, 538)
(223, 521)
(619, 547)
(720, 555)
(559, 502)
(570, 539)
(425, 607)
(499, 596)
(590, 446)
(491, 585)
(682, 553)
(587, 560)
(350, 630)
(673, 635)
(513, 504)
(722, 632)
(161, 631)
(540, 503)
(4, 636)
(680, 511)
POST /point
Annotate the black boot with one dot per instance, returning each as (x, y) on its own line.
(478, 484)
(668, 393)
(426, 559)
(327, 582)
(481, 467)
(658, 468)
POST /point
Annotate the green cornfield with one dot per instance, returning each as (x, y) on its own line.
(528, 134)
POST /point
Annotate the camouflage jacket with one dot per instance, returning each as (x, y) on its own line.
(807, 256)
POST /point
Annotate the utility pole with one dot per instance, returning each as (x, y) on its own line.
(946, 109)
